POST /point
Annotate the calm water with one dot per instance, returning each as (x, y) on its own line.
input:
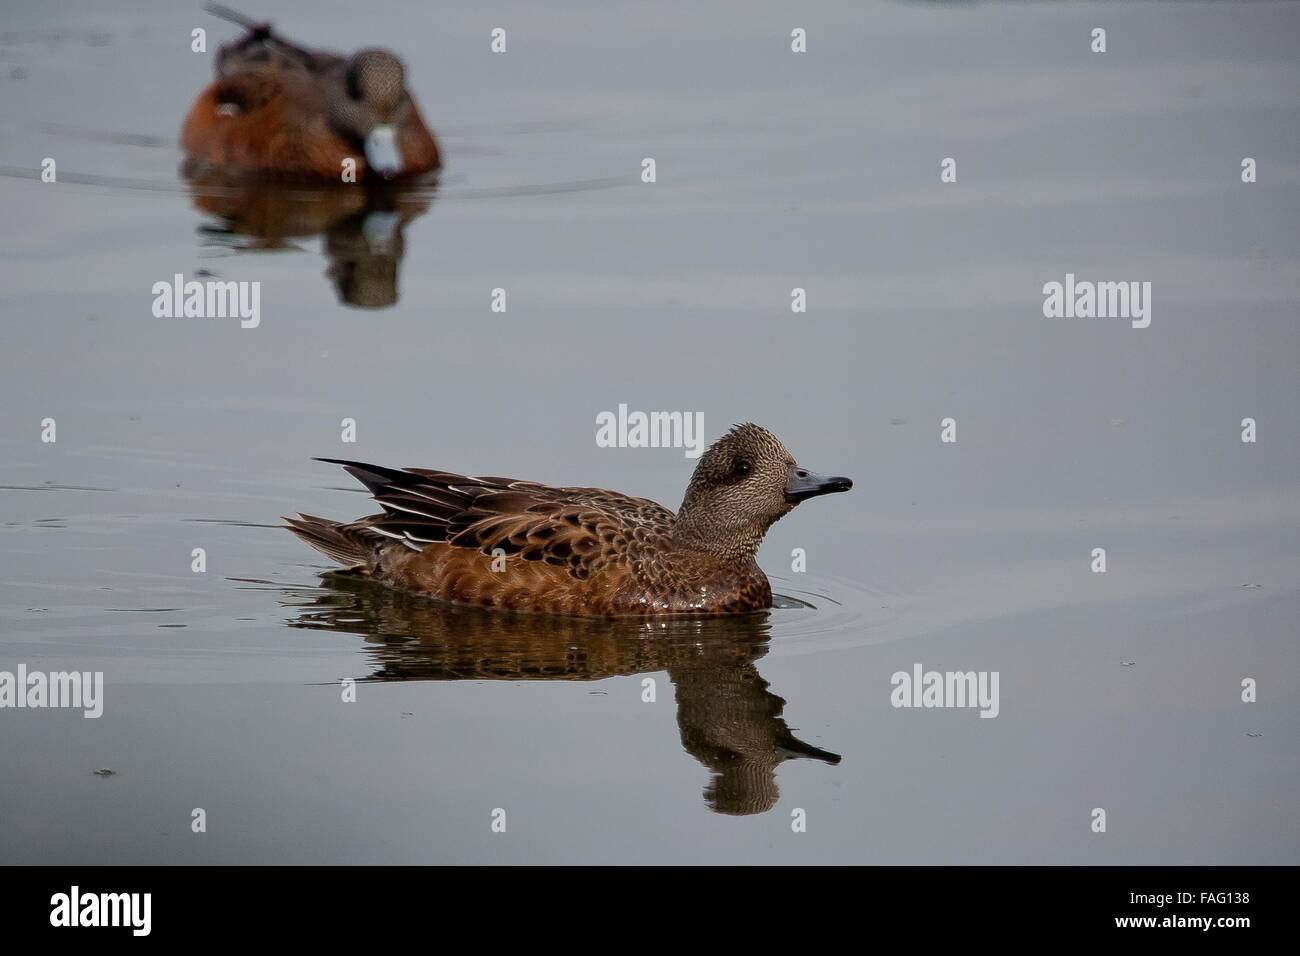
(775, 171)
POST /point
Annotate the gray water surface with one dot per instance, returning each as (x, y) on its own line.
(775, 170)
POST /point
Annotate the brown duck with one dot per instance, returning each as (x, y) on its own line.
(278, 110)
(520, 545)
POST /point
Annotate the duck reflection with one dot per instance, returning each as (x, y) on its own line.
(729, 720)
(361, 226)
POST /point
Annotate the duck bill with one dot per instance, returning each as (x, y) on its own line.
(803, 484)
(382, 152)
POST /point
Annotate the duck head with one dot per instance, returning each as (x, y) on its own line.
(745, 482)
(372, 107)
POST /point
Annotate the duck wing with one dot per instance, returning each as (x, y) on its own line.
(582, 529)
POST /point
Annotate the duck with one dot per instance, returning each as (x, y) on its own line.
(280, 110)
(511, 545)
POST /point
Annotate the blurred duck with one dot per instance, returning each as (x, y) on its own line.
(279, 110)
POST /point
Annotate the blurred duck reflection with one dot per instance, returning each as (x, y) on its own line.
(729, 720)
(361, 226)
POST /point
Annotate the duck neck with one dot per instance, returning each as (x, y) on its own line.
(713, 544)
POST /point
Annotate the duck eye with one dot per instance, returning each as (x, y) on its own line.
(741, 468)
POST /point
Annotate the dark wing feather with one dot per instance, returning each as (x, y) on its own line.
(582, 529)
(261, 45)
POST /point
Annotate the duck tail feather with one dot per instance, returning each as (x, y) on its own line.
(374, 477)
(332, 539)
